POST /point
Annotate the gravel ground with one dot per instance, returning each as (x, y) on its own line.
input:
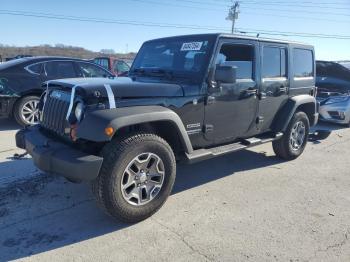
(246, 206)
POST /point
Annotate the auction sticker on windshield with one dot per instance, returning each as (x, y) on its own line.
(193, 46)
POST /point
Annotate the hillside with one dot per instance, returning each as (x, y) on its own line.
(57, 50)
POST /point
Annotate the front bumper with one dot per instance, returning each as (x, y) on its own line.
(335, 114)
(58, 158)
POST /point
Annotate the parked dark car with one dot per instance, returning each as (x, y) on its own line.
(117, 66)
(333, 82)
(187, 98)
(21, 82)
(17, 57)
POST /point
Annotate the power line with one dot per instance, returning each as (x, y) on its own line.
(270, 9)
(301, 11)
(288, 2)
(164, 25)
(245, 12)
(177, 5)
(294, 5)
(297, 17)
(278, 4)
(101, 20)
(288, 33)
(281, 4)
(256, 32)
(299, 2)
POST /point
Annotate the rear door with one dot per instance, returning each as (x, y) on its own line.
(59, 70)
(275, 82)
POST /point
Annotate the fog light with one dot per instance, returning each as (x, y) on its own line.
(341, 115)
(109, 131)
(73, 132)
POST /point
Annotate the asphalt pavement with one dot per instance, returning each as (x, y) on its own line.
(245, 206)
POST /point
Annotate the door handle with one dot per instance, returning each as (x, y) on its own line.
(210, 100)
(282, 89)
(262, 95)
(250, 92)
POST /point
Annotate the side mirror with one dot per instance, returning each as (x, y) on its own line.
(226, 74)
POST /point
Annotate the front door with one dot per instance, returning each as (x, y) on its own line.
(230, 111)
(274, 82)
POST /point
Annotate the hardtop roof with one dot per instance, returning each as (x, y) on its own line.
(236, 36)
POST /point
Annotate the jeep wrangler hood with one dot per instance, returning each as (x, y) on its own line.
(122, 87)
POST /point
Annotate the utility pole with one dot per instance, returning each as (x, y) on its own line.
(233, 15)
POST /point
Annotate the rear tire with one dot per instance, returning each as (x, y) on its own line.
(24, 110)
(293, 141)
(123, 189)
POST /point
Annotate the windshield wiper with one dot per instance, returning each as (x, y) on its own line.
(162, 72)
(138, 71)
(154, 72)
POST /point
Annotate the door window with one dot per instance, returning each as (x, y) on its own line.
(303, 63)
(274, 62)
(102, 62)
(35, 68)
(90, 70)
(121, 67)
(59, 69)
(240, 56)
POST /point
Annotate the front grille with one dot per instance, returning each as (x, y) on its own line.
(55, 111)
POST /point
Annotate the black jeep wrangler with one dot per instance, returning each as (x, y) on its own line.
(186, 98)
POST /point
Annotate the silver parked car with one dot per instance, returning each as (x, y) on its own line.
(335, 109)
(333, 82)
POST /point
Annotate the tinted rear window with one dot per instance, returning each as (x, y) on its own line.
(274, 62)
(35, 68)
(102, 62)
(11, 63)
(60, 69)
(303, 63)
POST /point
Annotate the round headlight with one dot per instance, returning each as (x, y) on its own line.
(79, 109)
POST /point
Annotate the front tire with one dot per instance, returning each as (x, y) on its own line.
(136, 177)
(25, 110)
(294, 140)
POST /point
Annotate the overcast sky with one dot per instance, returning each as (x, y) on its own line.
(301, 16)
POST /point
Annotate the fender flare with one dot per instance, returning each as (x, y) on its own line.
(286, 113)
(94, 123)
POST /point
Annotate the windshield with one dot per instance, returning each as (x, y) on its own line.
(185, 57)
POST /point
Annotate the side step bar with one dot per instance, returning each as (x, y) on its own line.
(204, 154)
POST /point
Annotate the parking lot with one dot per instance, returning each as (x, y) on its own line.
(246, 206)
